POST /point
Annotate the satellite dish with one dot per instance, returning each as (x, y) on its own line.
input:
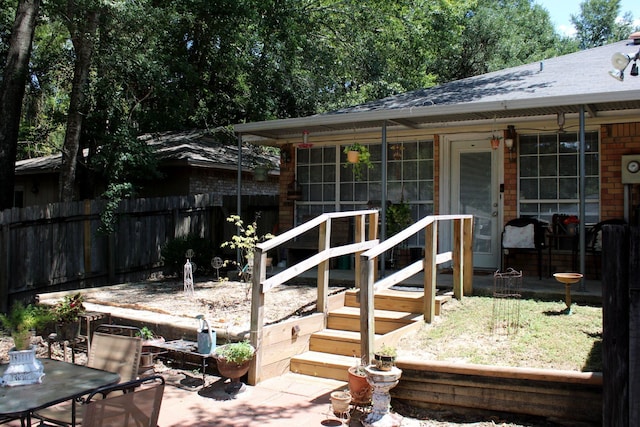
(620, 61)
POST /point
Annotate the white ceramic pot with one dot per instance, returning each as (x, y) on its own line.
(24, 368)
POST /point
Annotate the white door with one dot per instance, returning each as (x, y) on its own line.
(475, 190)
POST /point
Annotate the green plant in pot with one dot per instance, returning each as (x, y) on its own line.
(359, 158)
(65, 315)
(398, 218)
(385, 357)
(22, 320)
(234, 360)
(24, 368)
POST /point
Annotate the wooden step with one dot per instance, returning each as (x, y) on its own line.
(348, 319)
(346, 343)
(322, 365)
(390, 299)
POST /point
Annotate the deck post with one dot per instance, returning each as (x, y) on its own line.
(324, 243)
(467, 255)
(457, 258)
(367, 309)
(430, 237)
(257, 313)
(359, 237)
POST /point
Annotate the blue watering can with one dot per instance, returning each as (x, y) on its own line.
(206, 336)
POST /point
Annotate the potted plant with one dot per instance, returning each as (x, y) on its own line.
(399, 218)
(233, 361)
(340, 401)
(21, 321)
(359, 157)
(359, 387)
(385, 357)
(149, 338)
(65, 315)
(495, 141)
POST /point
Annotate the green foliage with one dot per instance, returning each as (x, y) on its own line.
(246, 238)
(22, 320)
(174, 252)
(126, 162)
(364, 159)
(68, 309)
(596, 24)
(398, 217)
(387, 350)
(146, 333)
(238, 352)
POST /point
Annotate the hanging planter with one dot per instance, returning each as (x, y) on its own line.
(495, 142)
(353, 156)
(358, 157)
(260, 173)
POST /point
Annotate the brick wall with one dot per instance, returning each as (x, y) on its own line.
(224, 183)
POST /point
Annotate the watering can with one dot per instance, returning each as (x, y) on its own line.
(206, 336)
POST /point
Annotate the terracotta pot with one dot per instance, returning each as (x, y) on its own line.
(233, 371)
(359, 388)
(340, 401)
(353, 156)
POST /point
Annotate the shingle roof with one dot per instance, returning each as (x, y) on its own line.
(196, 148)
(560, 84)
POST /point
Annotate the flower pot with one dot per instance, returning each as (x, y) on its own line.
(359, 388)
(353, 156)
(383, 362)
(67, 331)
(340, 401)
(233, 371)
(24, 368)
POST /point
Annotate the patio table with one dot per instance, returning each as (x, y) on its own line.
(62, 382)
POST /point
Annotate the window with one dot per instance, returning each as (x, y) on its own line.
(549, 175)
(328, 185)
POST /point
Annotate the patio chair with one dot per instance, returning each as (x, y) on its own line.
(523, 235)
(109, 352)
(594, 240)
(131, 404)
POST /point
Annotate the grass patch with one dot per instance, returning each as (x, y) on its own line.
(545, 338)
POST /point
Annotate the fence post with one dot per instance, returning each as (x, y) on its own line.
(615, 325)
(4, 269)
(258, 276)
(634, 327)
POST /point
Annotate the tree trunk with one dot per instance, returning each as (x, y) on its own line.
(12, 92)
(83, 41)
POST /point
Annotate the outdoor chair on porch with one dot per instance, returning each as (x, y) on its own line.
(594, 240)
(522, 235)
(131, 404)
(109, 352)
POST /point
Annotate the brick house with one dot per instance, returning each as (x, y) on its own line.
(432, 149)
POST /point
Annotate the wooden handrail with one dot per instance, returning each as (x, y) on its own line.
(461, 257)
(260, 283)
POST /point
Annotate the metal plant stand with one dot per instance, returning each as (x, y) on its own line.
(506, 301)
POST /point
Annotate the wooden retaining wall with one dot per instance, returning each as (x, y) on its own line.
(569, 395)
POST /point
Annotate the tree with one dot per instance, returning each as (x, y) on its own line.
(11, 93)
(596, 23)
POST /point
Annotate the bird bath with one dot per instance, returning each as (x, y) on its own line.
(568, 279)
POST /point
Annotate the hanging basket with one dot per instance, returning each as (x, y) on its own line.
(353, 156)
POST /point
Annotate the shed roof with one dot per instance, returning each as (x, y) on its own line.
(557, 85)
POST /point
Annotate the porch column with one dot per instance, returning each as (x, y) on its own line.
(581, 215)
(239, 196)
(383, 196)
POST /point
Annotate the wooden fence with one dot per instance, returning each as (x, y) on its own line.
(57, 246)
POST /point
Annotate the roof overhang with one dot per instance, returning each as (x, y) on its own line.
(436, 115)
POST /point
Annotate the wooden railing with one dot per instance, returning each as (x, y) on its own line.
(367, 251)
(462, 262)
(260, 283)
